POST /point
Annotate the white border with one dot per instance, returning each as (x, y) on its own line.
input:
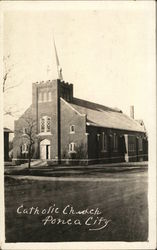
(81, 5)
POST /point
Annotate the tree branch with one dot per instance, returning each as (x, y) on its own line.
(11, 87)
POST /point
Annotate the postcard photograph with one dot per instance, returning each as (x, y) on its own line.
(78, 89)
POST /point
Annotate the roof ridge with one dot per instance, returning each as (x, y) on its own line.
(94, 103)
(69, 105)
(103, 116)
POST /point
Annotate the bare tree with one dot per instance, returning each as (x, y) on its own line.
(7, 73)
(8, 84)
(27, 133)
(30, 127)
(12, 111)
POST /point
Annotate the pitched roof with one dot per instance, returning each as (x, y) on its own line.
(102, 116)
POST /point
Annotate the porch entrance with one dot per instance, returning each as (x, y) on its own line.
(45, 149)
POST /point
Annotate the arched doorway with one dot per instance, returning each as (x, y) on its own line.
(45, 149)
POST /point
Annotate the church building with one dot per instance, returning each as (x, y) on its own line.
(63, 129)
(67, 129)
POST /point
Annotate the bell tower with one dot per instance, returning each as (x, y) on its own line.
(46, 110)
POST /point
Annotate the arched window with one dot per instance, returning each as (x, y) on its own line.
(72, 147)
(24, 148)
(45, 124)
(45, 97)
(40, 97)
(72, 129)
(115, 142)
(42, 125)
(140, 144)
(48, 124)
(49, 96)
(104, 142)
(24, 131)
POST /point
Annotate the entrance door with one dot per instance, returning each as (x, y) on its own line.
(42, 152)
(45, 149)
(47, 152)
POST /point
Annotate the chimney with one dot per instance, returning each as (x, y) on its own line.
(132, 112)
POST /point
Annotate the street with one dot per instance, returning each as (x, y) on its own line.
(99, 206)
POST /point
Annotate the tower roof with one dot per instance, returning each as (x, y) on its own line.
(59, 69)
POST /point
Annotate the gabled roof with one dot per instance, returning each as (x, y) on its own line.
(102, 116)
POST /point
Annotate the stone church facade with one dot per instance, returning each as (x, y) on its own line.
(68, 130)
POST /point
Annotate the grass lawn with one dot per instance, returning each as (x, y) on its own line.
(120, 197)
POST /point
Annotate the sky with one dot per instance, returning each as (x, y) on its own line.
(106, 49)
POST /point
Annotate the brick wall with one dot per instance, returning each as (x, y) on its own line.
(19, 138)
(66, 91)
(111, 155)
(50, 109)
(70, 117)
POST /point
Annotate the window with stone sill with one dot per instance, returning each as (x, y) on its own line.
(40, 97)
(24, 148)
(72, 147)
(72, 129)
(48, 124)
(24, 131)
(115, 143)
(42, 125)
(49, 97)
(140, 144)
(45, 124)
(44, 97)
(104, 142)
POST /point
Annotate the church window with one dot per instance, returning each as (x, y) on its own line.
(24, 148)
(48, 124)
(40, 97)
(24, 131)
(49, 96)
(140, 144)
(72, 129)
(72, 147)
(42, 125)
(131, 147)
(45, 124)
(44, 96)
(67, 97)
(104, 142)
(115, 142)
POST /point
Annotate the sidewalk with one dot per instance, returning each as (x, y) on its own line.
(43, 165)
(65, 171)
